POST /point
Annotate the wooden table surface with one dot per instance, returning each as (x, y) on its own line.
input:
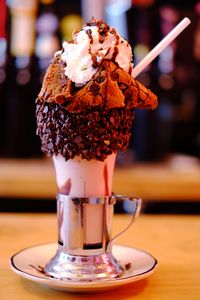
(173, 239)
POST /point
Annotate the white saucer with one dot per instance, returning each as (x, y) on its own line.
(142, 265)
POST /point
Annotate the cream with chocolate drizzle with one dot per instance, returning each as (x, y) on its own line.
(95, 42)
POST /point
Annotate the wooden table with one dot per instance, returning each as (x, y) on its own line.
(173, 240)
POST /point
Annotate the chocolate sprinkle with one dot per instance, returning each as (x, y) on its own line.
(85, 133)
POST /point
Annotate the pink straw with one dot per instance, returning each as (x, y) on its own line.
(160, 47)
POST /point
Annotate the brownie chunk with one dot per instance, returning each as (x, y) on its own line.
(110, 86)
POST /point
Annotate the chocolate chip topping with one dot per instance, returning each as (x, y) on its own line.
(95, 88)
(95, 120)
(92, 134)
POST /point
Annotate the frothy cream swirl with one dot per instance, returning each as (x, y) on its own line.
(88, 49)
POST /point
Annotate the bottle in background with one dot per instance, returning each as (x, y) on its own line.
(3, 72)
(47, 39)
(20, 138)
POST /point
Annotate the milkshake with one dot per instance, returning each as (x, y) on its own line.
(82, 178)
(85, 111)
(85, 108)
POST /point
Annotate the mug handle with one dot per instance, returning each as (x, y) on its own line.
(138, 204)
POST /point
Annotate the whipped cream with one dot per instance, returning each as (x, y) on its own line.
(89, 48)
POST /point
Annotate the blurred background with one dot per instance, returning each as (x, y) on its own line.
(162, 162)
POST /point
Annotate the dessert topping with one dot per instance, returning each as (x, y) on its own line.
(95, 42)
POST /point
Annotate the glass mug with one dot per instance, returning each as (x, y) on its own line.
(84, 238)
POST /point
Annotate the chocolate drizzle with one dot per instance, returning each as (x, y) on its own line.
(60, 211)
(130, 69)
(105, 175)
(89, 33)
(116, 51)
(41, 270)
(66, 188)
(94, 60)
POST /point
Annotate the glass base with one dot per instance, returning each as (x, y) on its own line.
(83, 268)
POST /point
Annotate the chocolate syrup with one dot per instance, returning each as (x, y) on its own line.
(66, 188)
(94, 60)
(92, 246)
(41, 270)
(116, 51)
(130, 69)
(105, 175)
(89, 33)
(108, 51)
